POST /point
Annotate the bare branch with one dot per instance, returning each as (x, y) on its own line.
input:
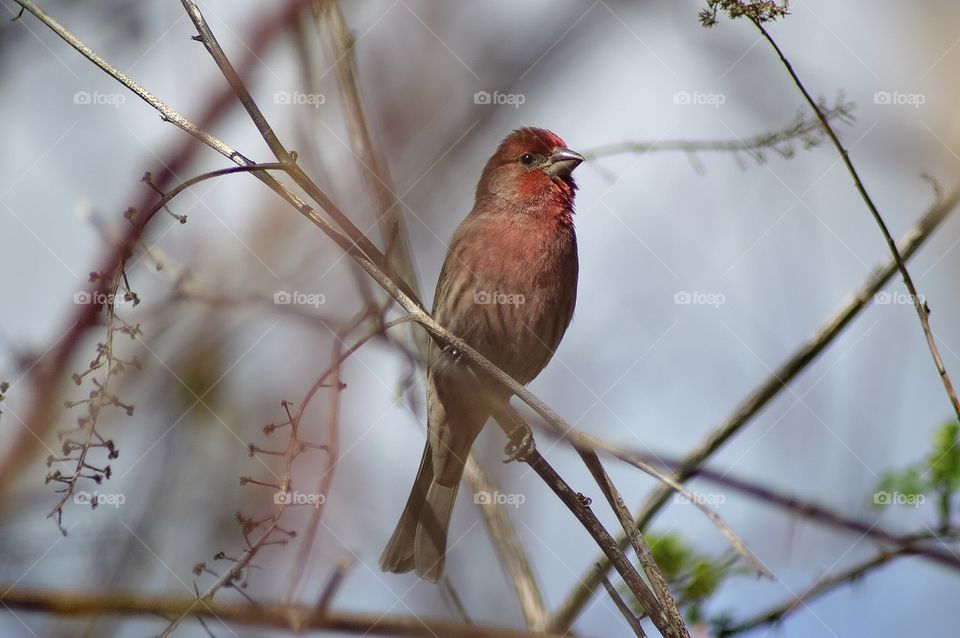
(273, 616)
(628, 615)
(764, 393)
(506, 542)
(808, 131)
(818, 588)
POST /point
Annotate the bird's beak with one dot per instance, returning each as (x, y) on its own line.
(562, 162)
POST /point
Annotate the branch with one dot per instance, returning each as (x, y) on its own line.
(331, 445)
(506, 542)
(274, 616)
(806, 510)
(636, 461)
(763, 394)
(809, 131)
(644, 555)
(821, 586)
(624, 609)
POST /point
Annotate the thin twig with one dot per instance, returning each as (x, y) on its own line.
(624, 608)
(804, 129)
(453, 601)
(331, 378)
(333, 585)
(229, 578)
(644, 555)
(657, 602)
(578, 504)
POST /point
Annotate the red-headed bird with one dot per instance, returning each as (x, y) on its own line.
(508, 287)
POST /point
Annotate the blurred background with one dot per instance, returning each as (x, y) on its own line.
(700, 274)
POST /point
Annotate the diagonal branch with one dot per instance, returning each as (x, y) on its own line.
(801, 508)
(764, 393)
(820, 587)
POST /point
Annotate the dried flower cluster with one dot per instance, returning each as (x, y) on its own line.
(762, 11)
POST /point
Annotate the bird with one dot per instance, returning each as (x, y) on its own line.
(508, 288)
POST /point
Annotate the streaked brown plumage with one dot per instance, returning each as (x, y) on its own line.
(508, 288)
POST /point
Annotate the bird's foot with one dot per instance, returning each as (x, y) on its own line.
(521, 445)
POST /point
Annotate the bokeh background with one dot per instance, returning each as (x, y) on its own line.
(777, 244)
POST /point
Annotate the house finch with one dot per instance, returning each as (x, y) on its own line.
(508, 287)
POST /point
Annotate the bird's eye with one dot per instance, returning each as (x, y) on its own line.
(526, 159)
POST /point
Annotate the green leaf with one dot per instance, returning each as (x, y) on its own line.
(944, 461)
(694, 576)
(670, 552)
(909, 482)
(705, 577)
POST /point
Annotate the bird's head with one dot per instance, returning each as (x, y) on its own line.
(531, 166)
